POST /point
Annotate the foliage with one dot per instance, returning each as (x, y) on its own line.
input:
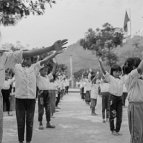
(103, 41)
(11, 11)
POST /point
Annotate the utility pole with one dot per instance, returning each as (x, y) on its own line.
(71, 71)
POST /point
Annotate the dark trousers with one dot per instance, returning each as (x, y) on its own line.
(124, 96)
(115, 112)
(6, 101)
(87, 97)
(82, 93)
(25, 109)
(67, 89)
(44, 102)
(58, 98)
(105, 104)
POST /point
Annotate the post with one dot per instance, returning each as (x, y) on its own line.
(130, 24)
(71, 71)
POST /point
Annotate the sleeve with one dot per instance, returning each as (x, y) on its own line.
(50, 76)
(37, 68)
(109, 78)
(13, 58)
(132, 78)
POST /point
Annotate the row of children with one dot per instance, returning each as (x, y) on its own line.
(114, 89)
(26, 77)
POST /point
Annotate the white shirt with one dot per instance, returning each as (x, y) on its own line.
(94, 91)
(115, 85)
(134, 87)
(8, 60)
(104, 87)
(25, 81)
(44, 83)
(7, 84)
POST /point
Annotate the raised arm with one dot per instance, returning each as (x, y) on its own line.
(42, 62)
(140, 67)
(101, 65)
(57, 46)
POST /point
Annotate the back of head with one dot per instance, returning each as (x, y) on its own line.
(130, 64)
(116, 68)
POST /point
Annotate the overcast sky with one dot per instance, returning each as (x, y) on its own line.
(71, 19)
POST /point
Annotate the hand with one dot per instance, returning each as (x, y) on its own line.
(58, 45)
(100, 59)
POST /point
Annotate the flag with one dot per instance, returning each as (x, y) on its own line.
(126, 20)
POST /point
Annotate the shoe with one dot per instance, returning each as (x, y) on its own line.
(41, 127)
(113, 132)
(50, 126)
(107, 119)
(104, 121)
(118, 134)
(93, 114)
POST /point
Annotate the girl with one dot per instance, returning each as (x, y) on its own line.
(116, 90)
(134, 84)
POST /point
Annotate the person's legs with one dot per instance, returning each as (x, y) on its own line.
(103, 107)
(112, 112)
(47, 106)
(1, 117)
(40, 110)
(118, 113)
(20, 116)
(30, 105)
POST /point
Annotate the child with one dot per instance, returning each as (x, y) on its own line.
(116, 90)
(9, 59)
(44, 96)
(134, 84)
(25, 93)
(6, 90)
(94, 95)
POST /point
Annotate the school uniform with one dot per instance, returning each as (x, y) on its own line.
(7, 60)
(44, 97)
(6, 90)
(134, 85)
(25, 93)
(116, 91)
(104, 89)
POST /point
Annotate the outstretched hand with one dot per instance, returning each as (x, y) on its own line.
(58, 45)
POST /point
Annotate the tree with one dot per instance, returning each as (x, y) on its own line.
(103, 41)
(11, 11)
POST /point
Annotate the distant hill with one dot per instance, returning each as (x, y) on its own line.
(82, 59)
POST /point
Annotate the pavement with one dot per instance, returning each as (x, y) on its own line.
(74, 124)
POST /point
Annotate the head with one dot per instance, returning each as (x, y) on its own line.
(116, 71)
(131, 64)
(27, 61)
(44, 71)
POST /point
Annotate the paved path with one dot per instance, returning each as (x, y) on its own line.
(74, 124)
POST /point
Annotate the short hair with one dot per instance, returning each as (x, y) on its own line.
(130, 64)
(116, 68)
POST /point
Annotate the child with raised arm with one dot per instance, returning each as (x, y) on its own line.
(9, 59)
(116, 90)
(45, 99)
(25, 93)
(133, 67)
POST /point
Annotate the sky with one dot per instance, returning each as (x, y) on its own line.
(70, 19)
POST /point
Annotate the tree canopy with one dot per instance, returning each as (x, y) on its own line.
(11, 11)
(103, 41)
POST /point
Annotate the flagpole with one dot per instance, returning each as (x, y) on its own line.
(130, 23)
